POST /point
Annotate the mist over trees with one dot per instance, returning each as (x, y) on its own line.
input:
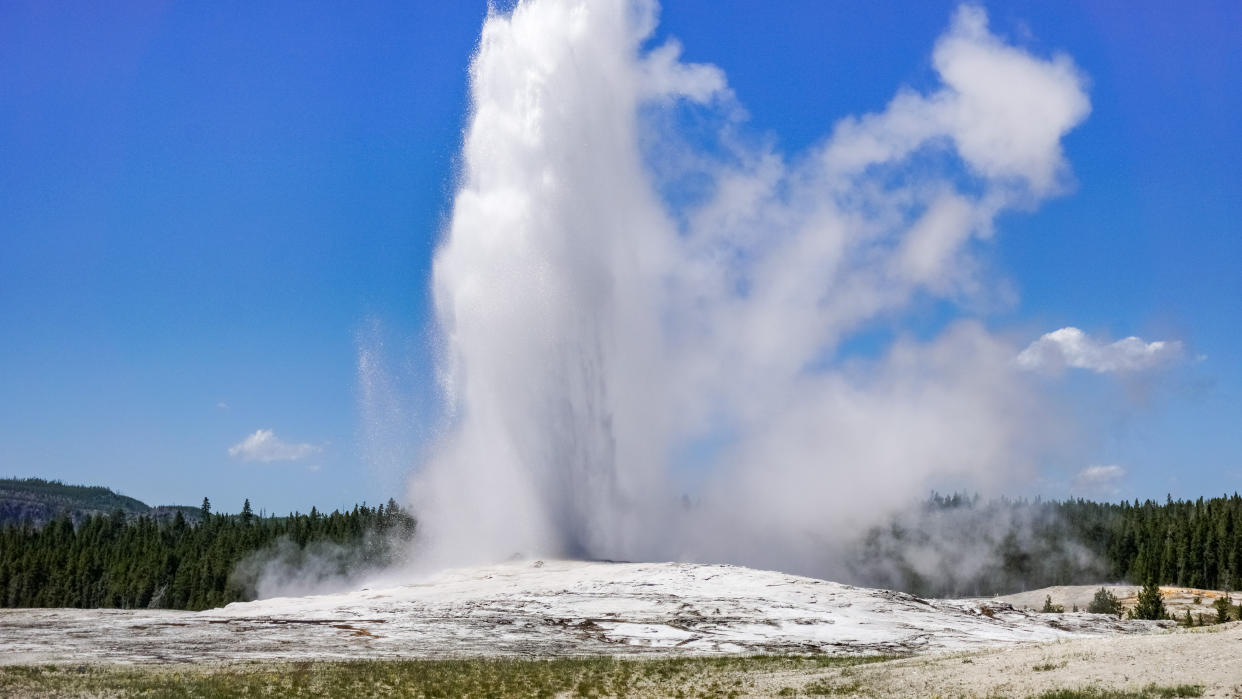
(126, 561)
(947, 546)
(961, 546)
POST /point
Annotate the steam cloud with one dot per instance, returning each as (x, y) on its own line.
(627, 315)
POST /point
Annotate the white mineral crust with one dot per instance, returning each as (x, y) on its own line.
(539, 609)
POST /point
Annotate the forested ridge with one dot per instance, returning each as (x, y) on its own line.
(41, 501)
(127, 561)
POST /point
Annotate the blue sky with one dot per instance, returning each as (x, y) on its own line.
(202, 206)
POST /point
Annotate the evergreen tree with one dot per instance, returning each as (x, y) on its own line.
(1150, 605)
(121, 561)
(127, 559)
(1223, 607)
(1196, 542)
(1105, 602)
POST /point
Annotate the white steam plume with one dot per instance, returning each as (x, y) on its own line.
(388, 415)
(603, 347)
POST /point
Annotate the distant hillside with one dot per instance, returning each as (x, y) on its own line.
(41, 501)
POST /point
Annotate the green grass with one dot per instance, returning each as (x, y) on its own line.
(580, 677)
(1151, 691)
(574, 677)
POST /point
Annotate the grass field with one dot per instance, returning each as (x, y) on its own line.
(564, 677)
(577, 677)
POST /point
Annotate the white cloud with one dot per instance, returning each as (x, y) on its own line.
(222, 405)
(266, 447)
(1098, 479)
(1071, 347)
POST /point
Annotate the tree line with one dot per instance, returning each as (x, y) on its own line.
(126, 561)
(958, 545)
(949, 546)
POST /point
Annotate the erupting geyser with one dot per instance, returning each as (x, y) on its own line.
(628, 312)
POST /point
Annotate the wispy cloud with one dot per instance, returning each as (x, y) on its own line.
(265, 446)
(222, 405)
(1099, 480)
(1071, 347)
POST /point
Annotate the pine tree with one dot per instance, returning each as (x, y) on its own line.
(1150, 605)
(1105, 602)
(120, 561)
(1223, 607)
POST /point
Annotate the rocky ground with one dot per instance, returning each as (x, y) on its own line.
(1177, 600)
(552, 609)
(1181, 663)
(563, 628)
(1209, 658)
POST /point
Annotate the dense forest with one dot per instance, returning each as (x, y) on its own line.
(949, 546)
(128, 561)
(962, 546)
